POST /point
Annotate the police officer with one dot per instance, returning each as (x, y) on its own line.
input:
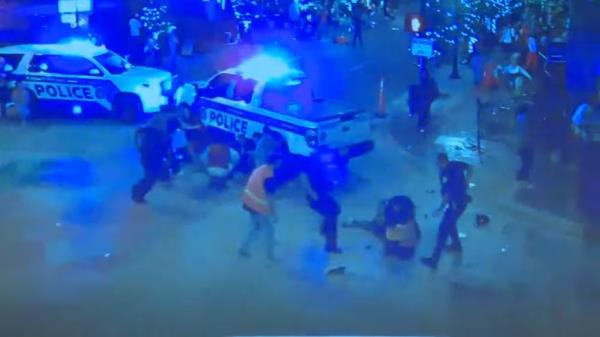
(4, 89)
(454, 179)
(153, 145)
(322, 202)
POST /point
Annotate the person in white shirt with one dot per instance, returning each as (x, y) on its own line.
(507, 38)
(516, 74)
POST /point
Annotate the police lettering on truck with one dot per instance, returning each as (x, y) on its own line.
(227, 122)
(65, 91)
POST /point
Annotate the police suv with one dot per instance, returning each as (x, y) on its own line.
(242, 101)
(81, 78)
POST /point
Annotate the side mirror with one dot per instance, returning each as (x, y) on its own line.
(8, 68)
(95, 72)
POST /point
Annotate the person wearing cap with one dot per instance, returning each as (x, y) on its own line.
(258, 202)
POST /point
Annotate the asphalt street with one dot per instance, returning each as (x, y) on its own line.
(78, 258)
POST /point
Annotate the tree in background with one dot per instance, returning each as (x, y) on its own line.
(452, 21)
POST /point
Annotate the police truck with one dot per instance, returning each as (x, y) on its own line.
(78, 77)
(262, 92)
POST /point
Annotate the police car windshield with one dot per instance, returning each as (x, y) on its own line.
(114, 63)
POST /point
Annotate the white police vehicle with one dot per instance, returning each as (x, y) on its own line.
(80, 78)
(265, 92)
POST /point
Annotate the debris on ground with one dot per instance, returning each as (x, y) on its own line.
(481, 220)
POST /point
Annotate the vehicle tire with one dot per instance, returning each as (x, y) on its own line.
(128, 108)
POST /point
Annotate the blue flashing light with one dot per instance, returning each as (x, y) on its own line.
(77, 47)
(263, 68)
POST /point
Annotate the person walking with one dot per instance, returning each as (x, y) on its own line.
(257, 201)
(153, 144)
(424, 95)
(321, 201)
(324, 204)
(357, 26)
(454, 180)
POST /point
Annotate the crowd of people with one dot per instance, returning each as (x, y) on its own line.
(167, 141)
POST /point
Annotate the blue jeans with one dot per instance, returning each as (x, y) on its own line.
(260, 223)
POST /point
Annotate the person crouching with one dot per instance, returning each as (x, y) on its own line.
(220, 160)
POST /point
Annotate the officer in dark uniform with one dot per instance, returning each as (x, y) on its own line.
(153, 144)
(324, 204)
(454, 178)
(321, 201)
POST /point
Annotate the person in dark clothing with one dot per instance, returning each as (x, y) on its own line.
(324, 204)
(454, 180)
(525, 146)
(428, 92)
(153, 144)
(395, 224)
(357, 25)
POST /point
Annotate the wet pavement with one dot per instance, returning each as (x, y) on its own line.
(78, 258)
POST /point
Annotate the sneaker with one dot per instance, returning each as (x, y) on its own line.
(429, 262)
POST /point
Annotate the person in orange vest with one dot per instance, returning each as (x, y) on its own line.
(220, 160)
(257, 201)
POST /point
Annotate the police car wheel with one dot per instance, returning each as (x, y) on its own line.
(128, 108)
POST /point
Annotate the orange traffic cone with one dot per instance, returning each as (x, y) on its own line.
(381, 110)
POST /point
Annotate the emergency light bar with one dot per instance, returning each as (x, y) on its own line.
(74, 6)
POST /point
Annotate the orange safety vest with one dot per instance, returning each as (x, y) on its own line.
(255, 195)
(218, 156)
